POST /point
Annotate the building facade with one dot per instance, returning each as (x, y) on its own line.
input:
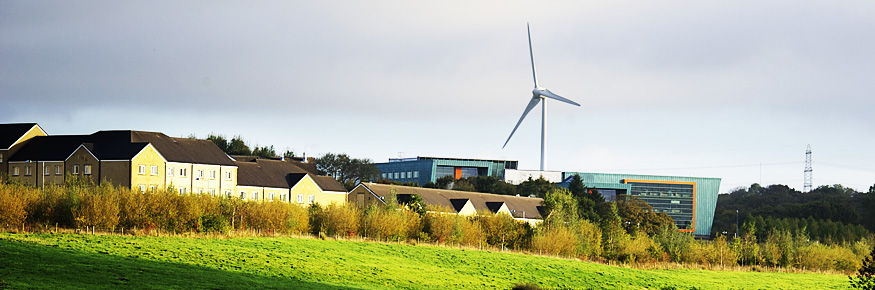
(689, 201)
(422, 170)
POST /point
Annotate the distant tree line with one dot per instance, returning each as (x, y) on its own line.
(828, 214)
(348, 171)
(236, 146)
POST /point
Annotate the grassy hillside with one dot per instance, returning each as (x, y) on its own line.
(49, 261)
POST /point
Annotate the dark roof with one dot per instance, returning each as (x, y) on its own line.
(268, 173)
(279, 174)
(309, 166)
(182, 150)
(48, 148)
(482, 201)
(9, 133)
(328, 183)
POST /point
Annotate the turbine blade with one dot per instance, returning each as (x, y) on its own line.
(532, 104)
(532, 55)
(549, 94)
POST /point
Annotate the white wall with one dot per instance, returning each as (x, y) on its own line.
(514, 176)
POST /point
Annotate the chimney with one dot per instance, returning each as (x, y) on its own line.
(304, 157)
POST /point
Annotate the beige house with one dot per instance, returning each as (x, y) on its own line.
(11, 138)
(458, 202)
(264, 179)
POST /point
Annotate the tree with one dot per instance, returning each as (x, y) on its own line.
(538, 187)
(264, 151)
(220, 141)
(560, 207)
(865, 278)
(238, 147)
(349, 171)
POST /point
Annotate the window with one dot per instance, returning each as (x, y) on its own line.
(384, 175)
(227, 175)
(183, 172)
(416, 174)
(27, 170)
(169, 171)
(87, 169)
(153, 187)
(15, 170)
(75, 169)
(46, 170)
(142, 170)
(409, 174)
(182, 190)
(403, 175)
(1, 157)
(212, 174)
(200, 173)
(300, 198)
(153, 169)
(271, 196)
(227, 193)
(254, 195)
(213, 191)
(243, 195)
(142, 187)
(57, 169)
(282, 197)
(311, 198)
(396, 175)
(200, 190)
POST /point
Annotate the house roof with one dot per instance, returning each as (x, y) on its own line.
(309, 166)
(48, 148)
(10, 133)
(328, 183)
(182, 150)
(456, 199)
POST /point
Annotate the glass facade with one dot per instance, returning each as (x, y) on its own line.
(442, 171)
(674, 199)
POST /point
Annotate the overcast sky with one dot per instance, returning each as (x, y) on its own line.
(732, 89)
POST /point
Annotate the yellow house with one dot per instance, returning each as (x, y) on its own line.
(278, 180)
(11, 138)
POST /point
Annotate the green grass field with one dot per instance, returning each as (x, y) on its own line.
(52, 261)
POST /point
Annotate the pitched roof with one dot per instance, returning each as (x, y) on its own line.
(182, 150)
(328, 183)
(268, 173)
(9, 133)
(309, 166)
(48, 148)
(481, 201)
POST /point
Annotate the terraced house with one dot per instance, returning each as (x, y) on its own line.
(151, 161)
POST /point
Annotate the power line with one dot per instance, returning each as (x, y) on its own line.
(701, 167)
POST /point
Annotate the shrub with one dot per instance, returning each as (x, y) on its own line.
(13, 201)
(334, 220)
(865, 278)
(555, 241)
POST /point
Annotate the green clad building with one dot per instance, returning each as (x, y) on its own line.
(690, 201)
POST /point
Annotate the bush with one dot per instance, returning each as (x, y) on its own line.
(334, 220)
(555, 241)
(13, 201)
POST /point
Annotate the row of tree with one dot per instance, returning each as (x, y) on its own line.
(828, 214)
(568, 229)
(236, 146)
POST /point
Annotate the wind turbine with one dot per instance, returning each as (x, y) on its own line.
(539, 94)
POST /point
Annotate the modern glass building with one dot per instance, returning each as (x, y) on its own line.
(428, 169)
(690, 201)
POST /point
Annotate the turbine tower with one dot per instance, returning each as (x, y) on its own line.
(539, 94)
